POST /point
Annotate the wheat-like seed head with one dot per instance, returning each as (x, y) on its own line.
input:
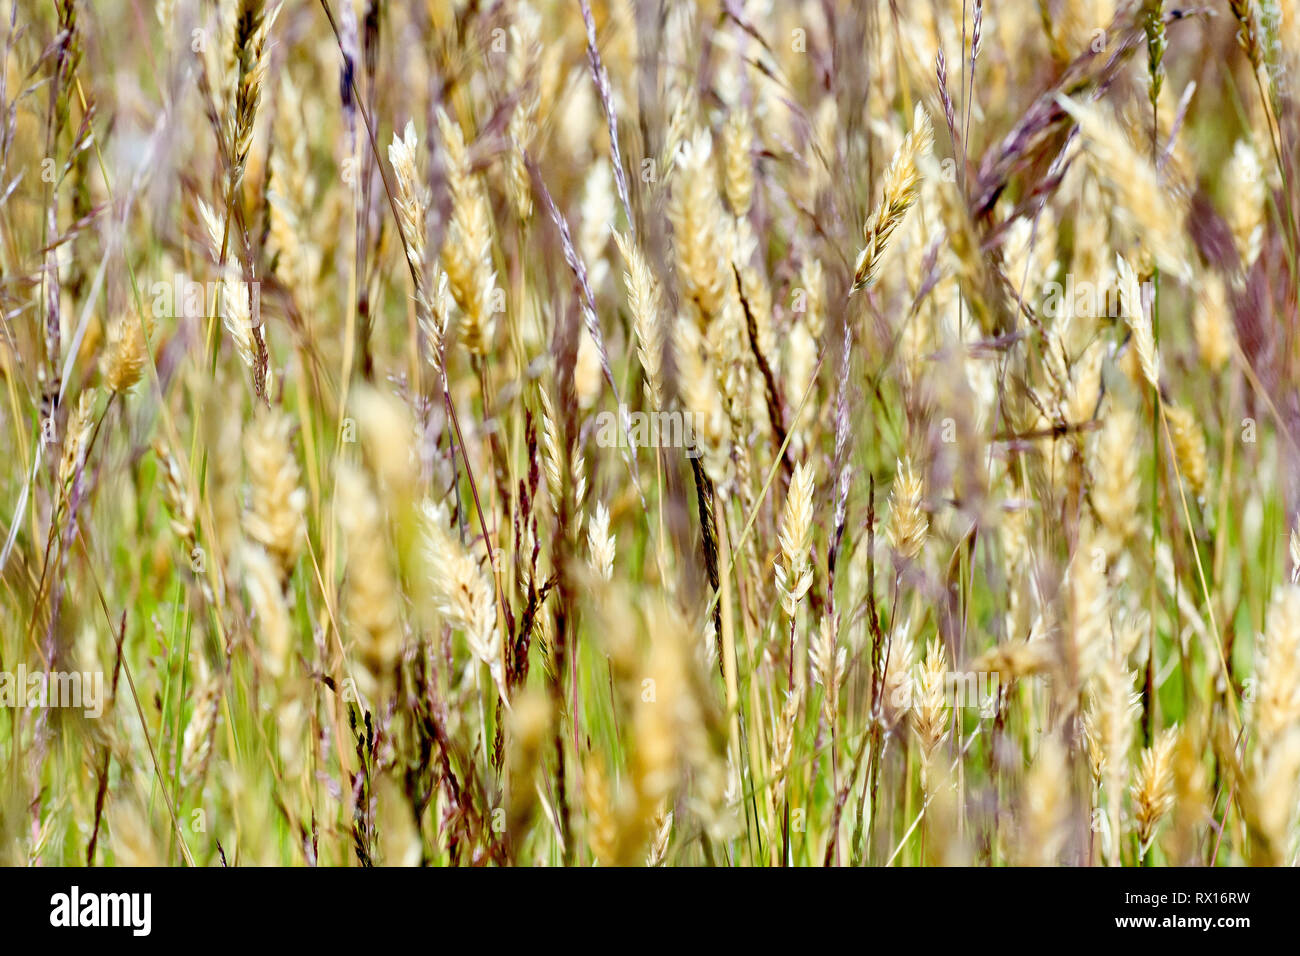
(601, 543)
(1191, 787)
(700, 396)
(801, 363)
(126, 354)
(670, 730)
(907, 524)
(412, 197)
(1153, 790)
(433, 309)
(213, 227)
(176, 492)
(463, 593)
(794, 568)
(552, 461)
(663, 832)
(1139, 322)
(1212, 324)
(75, 437)
(1109, 724)
(1248, 31)
(262, 579)
(1189, 447)
(291, 194)
(1277, 697)
(220, 492)
(696, 217)
(602, 827)
(783, 737)
(916, 342)
(1087, 609)
(389, 438)
(902, 185)
(236, 294)
(1046, 805)
(1116, 485)
(737, 143)
(1141, 201)
(553, 464)
(252, 58)
(467, 249)
(525, 50)
(1247, 196)
(371, 602)
(680, 123)
(655, 730)
(1274, 781)
(898, 691)
(1084, 391)
(237, 316)
(196, 746)
(528, 728)
(645, 303)
(828, 663)
(930, 711)
(276, 503)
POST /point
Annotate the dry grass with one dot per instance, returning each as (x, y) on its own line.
(655, 433)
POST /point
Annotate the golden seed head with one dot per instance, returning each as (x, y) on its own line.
(276, 503)
(463, 592)
(794, 567)
(126, 355)
(371, 599)
(601, 543)
(902, 186)
(908, 523)
(1139, 322)
(1189, 447)
(1153, 790)
(737, 143)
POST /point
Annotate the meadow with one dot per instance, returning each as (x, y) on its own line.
(649, 433)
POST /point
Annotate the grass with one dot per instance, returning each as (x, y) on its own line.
(648, 434)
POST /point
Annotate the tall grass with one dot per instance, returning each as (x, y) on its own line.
(649, 433)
